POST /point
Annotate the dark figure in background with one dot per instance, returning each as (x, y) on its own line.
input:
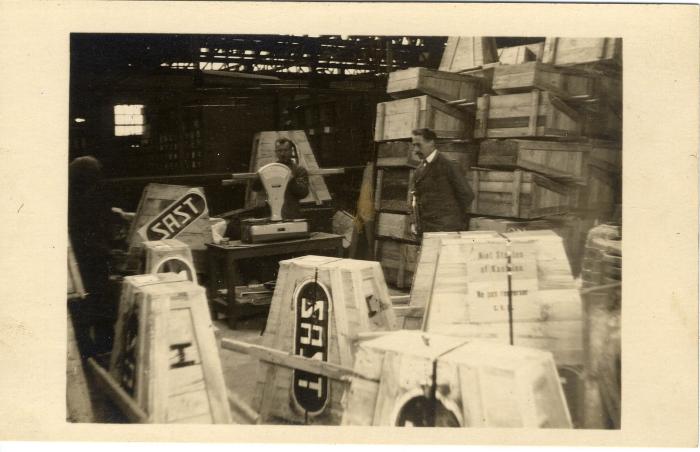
(298, 187)
(442, 195)
(88, 228)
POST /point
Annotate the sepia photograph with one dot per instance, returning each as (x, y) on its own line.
(345, 230)
(323, 223)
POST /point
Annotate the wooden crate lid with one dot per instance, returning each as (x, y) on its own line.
(166, 245)
(150, 279)
(478, 352)
(188, 288)
(329, 262)
(414, 343)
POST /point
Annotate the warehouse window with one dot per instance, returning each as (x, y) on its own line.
(128, 120)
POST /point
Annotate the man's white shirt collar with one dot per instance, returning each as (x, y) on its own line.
(431, 157)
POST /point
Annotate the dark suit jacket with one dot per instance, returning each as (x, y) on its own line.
(443, 197)
(297, 189)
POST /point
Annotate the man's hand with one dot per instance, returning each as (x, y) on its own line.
(414, 229)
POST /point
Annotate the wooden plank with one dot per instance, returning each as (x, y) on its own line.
(128, 406)
(516, 186)
(534, 110)
(211, 362)
(289, 360)
(341, 305)
(442, 85)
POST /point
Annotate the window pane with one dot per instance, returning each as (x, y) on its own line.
(121, 131)
(128, 120)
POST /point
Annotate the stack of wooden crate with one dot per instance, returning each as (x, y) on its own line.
(549, 131)
(423, 98)
(535, 128)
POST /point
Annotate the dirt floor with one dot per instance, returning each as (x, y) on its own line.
(240, 370)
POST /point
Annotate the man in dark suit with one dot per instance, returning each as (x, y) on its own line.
(442, 195)
(298, 186)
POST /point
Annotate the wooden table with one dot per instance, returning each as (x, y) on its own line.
(223, 268)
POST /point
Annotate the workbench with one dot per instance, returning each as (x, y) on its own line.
(224, 268)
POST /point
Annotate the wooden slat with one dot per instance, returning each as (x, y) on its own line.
(288, 360)
(128, 406)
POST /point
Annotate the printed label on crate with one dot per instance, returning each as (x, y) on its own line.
(176, 217)
(311, 333)
(487, 281)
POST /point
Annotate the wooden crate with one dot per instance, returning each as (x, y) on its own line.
(534, 114)
(155, 199)
(525, 77)
(519, 194)
(264, 152)
(171, 355)
(521, 54)
(398, 261)
(400, 153)
(124, 358)
(395, 226)
(336, 299)
(396, 119)
(445, 86)
(468, 52)
(469, 272)
(566, 51)
(565, 161)
(161, 256)
(393, 190)
(477, 384)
